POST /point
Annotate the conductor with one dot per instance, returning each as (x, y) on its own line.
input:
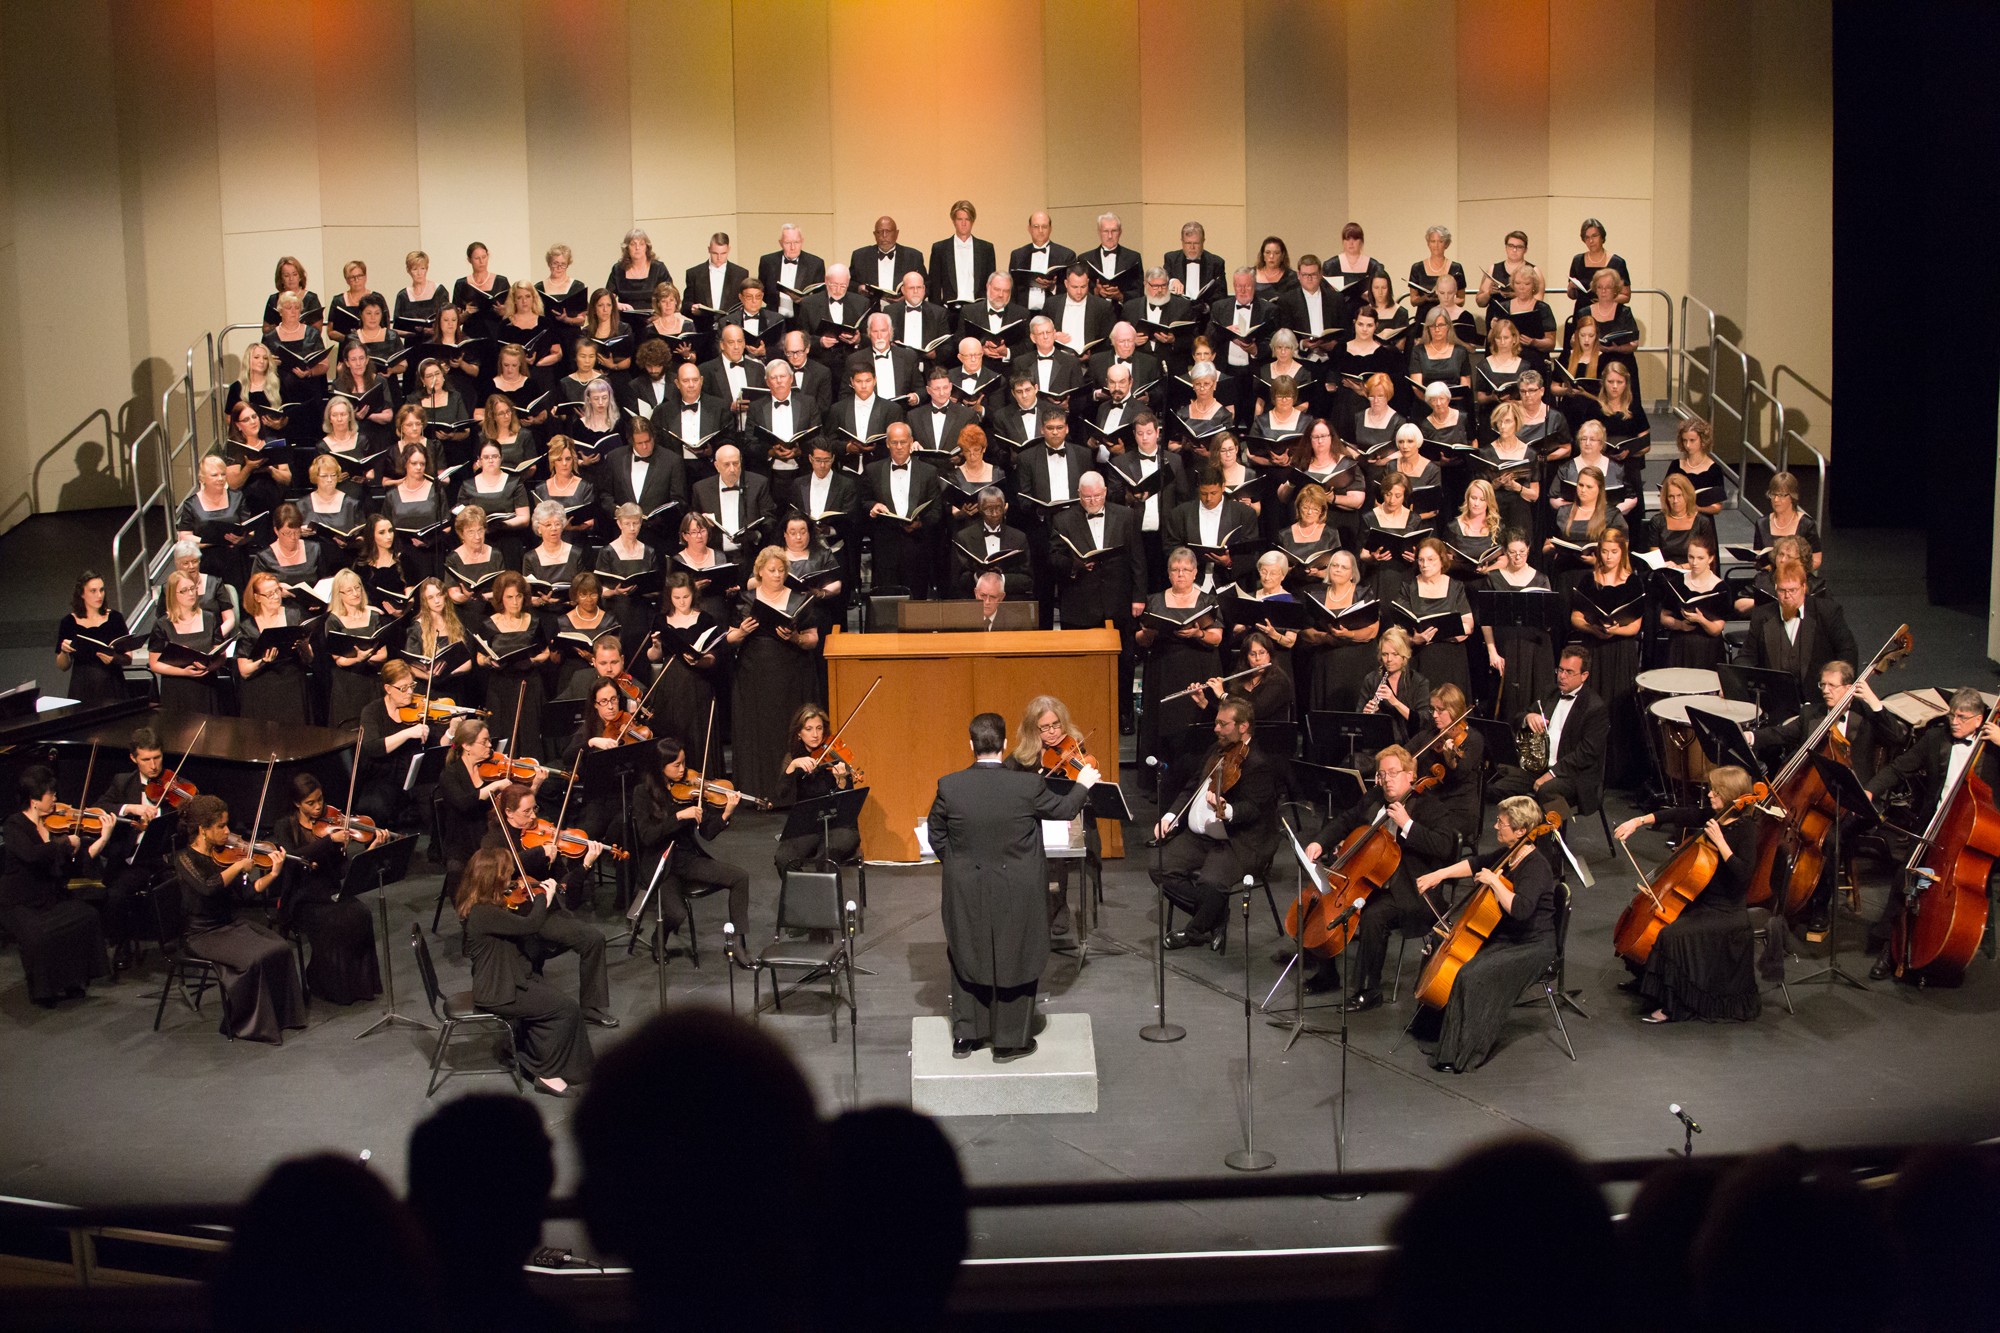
(986, 829)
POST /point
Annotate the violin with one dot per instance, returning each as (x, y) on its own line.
(1676, 884)
(435, 710)
(518, 770)
(521, 895)
(361, 830)
(715, 791)
(573, 842)
(1229, 768)
(69, 819)
(169, 790)
(263, 855)
(1459, 941)
(1065, 760)
(835, 751)
(625, 729)
(629, 688)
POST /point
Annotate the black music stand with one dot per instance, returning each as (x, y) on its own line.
(373, 869)
(1342, 787)
(1519, 608)
(1106, 801)
(559, 718)
(1295, 966)
(1851, 799)
(820, 815)
(1722, 740)
(1502, 745)
(1343, 740)
(616, 768)
(1776, 693)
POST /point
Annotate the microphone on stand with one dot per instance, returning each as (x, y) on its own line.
(1683, 1117)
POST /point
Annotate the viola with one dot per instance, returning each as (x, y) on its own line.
(1675, 886)
(263, 855)
(715, 791)
(1065, 760)
(361, 830)
(1229, 768)
(835, 752)
(169, 790)
(518, 770)
(69, 819)
(521, 894)
(625, 729)
(1457, 941)
(572, 842)
(435, 710)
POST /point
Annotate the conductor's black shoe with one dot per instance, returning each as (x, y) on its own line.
(1883, 967)
(600, 1018)
(1366, 1000)
(963, 1047)
(1189, 939)
(1002, 1054)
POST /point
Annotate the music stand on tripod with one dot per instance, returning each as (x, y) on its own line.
(1776, 693)
(821, 815)
(604, 770)
(1106, 801)
(1850, 798)
(373, 869)
(1343, 740)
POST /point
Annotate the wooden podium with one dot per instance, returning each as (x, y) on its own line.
(913, 731)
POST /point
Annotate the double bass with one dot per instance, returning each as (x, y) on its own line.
(1791, 852)
(1458, 938)
(1674, 887)
(1943, 913)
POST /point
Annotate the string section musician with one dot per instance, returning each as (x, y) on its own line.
(1221, 826)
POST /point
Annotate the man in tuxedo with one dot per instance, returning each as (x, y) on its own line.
(651, 387)
(861, 416)
(1115, 268)
(1214, 839)
(1234, 332)
(1932, 768)
(919, 323)
(985, 828)
(984, 538)
(790, 266)
(884, 263)
(1151, 481)
(1800, 634)
(1042, 258)
(832, 500)
(1211, 520)
(761, 328)
(713, 286)
(815, 381)
(1155, 306)
(640, 472)
(1421, 826)
(961, 262)
(781, 423)
(1863, 726)
(1055, 368)
(903, 508)
(937, 423)
(1047, 476)
(1578, 726)
(1113, 422)
(693, 423)
(1018, 421)
(998, 323)
(1144, 366)
(897, 369)
(1081, 316)
(972, 383)
(1313, 312)
(1096, 588)
(733, 500)
(832, 305)
(1192, 271)
(732, 374)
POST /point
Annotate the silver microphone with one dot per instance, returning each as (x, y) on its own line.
(1684, 1117)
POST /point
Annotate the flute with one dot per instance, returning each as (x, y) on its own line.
(1202, 684)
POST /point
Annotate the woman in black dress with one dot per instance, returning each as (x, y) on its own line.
(1580, 523)
(777, 670)
(514, 381)
(1440, 649)
(1617, 330)
(381, 567)
(340, 938)
(95, 676)
(1388, 572)
(433, 631)
(1694, 607)
(1175, 659)
(192, 687)
(605, 329)
(481, 294)
(1703, 964)
(1628, 433)
(291, 558)
(1523, 658)
(516, 647)
(1495, 282)
(1269, 690)
(1334, 473)
(1424, 274)
(1368, 368)
(1508, 463)
(61, 937)
(1425, 478)
(1247, 616)
(415, 505)
(335, 517)
(1495, 373)
(1439, 357)
(635, 275)
(577, 496)
(1584, 268)
(1352, 267)
(628, 570)
(1528, 312)
(291, 278)
(575, 633)
(1395, 689)
(223, 554)
(418, 304)
(261, 996)
(448, 422)
(355, 651)
(692, 665)
(1678, 521)
(552, 1041)
(564, 298)
(806, 558)
(248, 463)
(553, 562)
(1694, 441)
(258, 384)
(1614, 649)
(1520, 948)
(272, 684)
(808, 776)
(1786, 519)
(470, 570)
(1342, 658)
(353, 379)
(384, 744)
(705, 565)
(503, 501)
(301, 355)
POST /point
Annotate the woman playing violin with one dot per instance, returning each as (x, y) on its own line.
(378, 791)
(560, 932)
(607, 725)
(1703, 963)
(62, 939)
(673, 827)
(504, 947)
(1449, 741)
(1521, 946)
(813, 769)
(465, 796)
(341, 965)
(260, 982)
(1048, 742)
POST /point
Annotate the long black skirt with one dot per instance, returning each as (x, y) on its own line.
(1484, 996)
(261, 995)
(549, 1031)
(510, 692)
(277, 693)
(62, 947)
(772, 680)
(1704, 966)
(341, 967)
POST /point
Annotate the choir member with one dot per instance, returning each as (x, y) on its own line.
(350, 375)
(1522, 657)
(1274, 274)
(381, 566)
(552, 563)
(516, 647)
(1613, 633)
(190, 688)
(300, 351)
(224, 553)
(95, 676)
(1342, 656)
(1786, 519)
(1507, 462)
(357, 655)
(481, 294)
(576, 496)
(290, 279)
(1499, 279)
(604, 329)
(415, 505)
(261, 996)
(1439, 357)
(627, 572)
(1678, 521)
(260, 385)
(335, 516)
(1440, 655)
(1176, 657)
(271, 679)
(1391, 515)
(1693, 610)
(1528, 312)
(776, 635)
(1353, 267)
(1694, 442)
(418, 303)
(693, 664)
(1501, 367)
(250, 469)
(580, 632)
(1424, 274)
(295, 561)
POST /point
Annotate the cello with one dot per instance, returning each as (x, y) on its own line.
(1791, 852)
(1943, 914)
(1458, 938)
(1674, 887)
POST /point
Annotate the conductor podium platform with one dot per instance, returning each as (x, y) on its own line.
(1060, 1078)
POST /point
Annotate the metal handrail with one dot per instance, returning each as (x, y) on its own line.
(220, 348)
(1665, 349)
(134, 525)
(1683, 360)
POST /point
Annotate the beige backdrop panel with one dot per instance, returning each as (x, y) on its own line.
(472, 136)
(785, 44)
(364, 59)
(1402, 168)
(1503, 63)
(1295, 120)
(1090, 63)
(267, 153)
(579, 135)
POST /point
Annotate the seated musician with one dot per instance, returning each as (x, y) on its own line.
(466, 798)
(672, 825)
(340, 966)
(1422, 824)
(1221, 826)
(504, 947)
(62, 940)
(1578, 726)
(807, 776)
(560, 931)
(607, 662)
(1268, 687)
(1046, 732)
(1931, 768)
(1521, 946)
(261, 996)
(385, 756)
(137, 854)
(608, 725)
(1703, 964)
(1462, 751)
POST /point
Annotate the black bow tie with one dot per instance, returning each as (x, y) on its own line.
(899, 467)
(1568, 698)
(882, 356)
(1965, 740)
(1041, 249)
(993, 532)
(1242, 305)
(1045, 356)
(727, 489)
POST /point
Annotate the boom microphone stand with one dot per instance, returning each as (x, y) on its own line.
(1249, 1157)
(1160, 1030)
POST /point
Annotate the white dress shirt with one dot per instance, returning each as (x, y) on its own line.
(1192, 282)
(885, 270)
(961, 258)
(1045, 367)
(1556, 719)
(899, 491)
(690, 428)
(913, 326)
(1038, 260)
(1956, 756)
(788, 274)
(1058, 477)
(1149, 518)
(716, 276)
(818, 491)
(729, 512)
(1072, 322)
(885, 372)
(1204, 822)
(1239, 320)
(641, 467)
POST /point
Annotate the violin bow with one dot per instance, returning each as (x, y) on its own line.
(1645, 885)
(514, 727)
(707, 738)
(639, 709)
(842, 728)
(507, 837)
(83, 799)
(353, 777)
(1446, 732)
(257, 820)
(173, 774)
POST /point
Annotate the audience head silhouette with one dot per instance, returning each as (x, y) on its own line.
(896, 1168)
(480, 1170)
